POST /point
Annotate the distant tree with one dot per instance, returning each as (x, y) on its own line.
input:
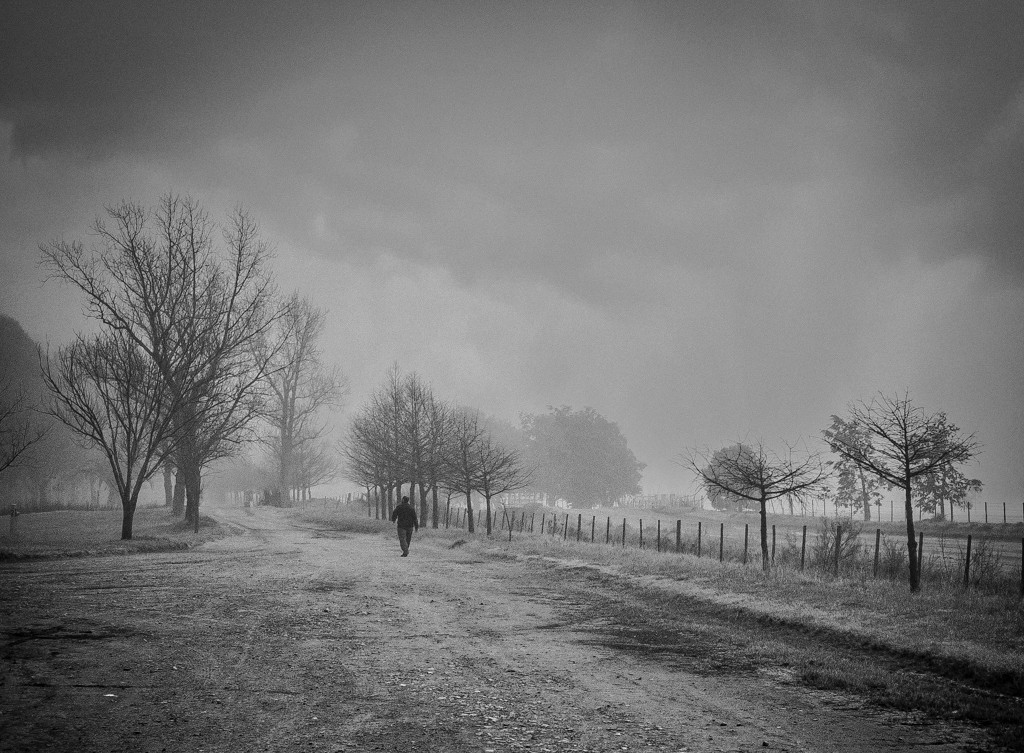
(460, 456)
(759, 475)
(315, 463)
(300, 388)
(719, 498)
(18, 431)
(22, 428)
(902, 444)
(580, 456)
(109, 392)
(855, 487)
(944, 489)
(498, 470)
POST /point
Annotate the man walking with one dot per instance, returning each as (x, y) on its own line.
(405, 514)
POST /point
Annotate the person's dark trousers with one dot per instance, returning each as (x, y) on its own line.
(404, 538)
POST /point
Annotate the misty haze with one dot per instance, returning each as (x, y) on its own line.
(537, 377)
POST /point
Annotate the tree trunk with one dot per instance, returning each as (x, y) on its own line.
(765, 561)
(913, 554)
(127, 515)
(433, 495)
(469, 509)
(865, 498)
(423, 504)
(193, 488)
(168, 485)
(178, 502)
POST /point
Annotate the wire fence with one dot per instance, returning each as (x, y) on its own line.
(840, 548)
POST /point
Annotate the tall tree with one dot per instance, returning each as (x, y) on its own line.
(760, 475)
(855, 488)
(300, 389)
(200, 309)
(903, 443)
(580, 456)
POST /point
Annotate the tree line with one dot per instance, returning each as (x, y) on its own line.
(405, 440)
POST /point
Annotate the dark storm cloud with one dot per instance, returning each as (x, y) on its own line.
(96, 78)
(591, 116)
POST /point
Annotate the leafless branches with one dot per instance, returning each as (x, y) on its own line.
(198, 308)
(900, 444)
(18, 432)
(756, 473)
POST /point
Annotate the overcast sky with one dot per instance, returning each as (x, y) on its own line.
(708, 221)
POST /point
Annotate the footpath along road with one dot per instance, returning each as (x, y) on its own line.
(284, 637)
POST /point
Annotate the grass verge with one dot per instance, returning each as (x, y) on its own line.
(81, 533)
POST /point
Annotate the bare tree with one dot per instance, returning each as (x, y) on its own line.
(109, 392)
(498, 469)
(460, 457)
(757, 474)
(900, 444)
(18, 432)
(300, 388)
(200, 310)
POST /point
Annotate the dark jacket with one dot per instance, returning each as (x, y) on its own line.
(405, 514)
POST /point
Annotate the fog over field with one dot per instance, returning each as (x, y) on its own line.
(709, 221)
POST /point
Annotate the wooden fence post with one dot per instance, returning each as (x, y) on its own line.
(608, 530)
(1004, 513)
(967, 563)
(579, 525)
(721, 542)
(878, 542)
(565, 528)
(533, 519)
(679, 535)
(641, 533)
(746, 540)
(986, 512)
(542, 516)
(593, 522)
(773, 542)
(839, 546)
(699, 538)
(623, 533)
(803, 548)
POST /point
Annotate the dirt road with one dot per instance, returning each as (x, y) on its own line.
(284, 638)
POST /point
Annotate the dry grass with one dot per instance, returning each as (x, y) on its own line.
(74, 533)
